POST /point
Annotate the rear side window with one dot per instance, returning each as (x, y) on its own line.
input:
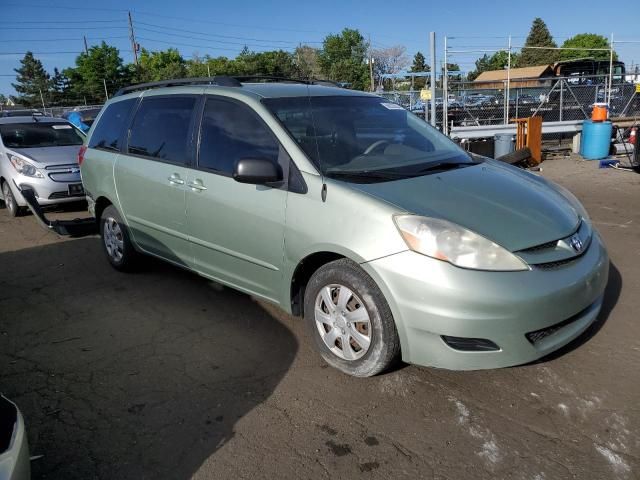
(230, 132)
(161, 127)
(108, 132)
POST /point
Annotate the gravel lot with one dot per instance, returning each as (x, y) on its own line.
(162, 374)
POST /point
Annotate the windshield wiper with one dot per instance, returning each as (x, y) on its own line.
(375, 174)
(445, 166)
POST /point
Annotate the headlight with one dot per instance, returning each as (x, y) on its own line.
(447, 241)
(573, 201)
(24, 167)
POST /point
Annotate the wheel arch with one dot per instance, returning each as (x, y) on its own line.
(102, 202)
(302, 274)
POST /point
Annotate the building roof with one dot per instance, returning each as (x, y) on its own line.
(516, 73)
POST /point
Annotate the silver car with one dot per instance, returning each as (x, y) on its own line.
(41, 154)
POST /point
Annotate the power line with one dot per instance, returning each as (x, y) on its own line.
(58, 28)
(204, 47)
(60, 39)
(211, 34)
(214, 41)
(65, 21)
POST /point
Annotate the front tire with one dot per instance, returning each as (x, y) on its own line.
(116, 242)
(350, 320)
(10, 201)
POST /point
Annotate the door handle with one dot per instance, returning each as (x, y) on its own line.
(196, 186)
(175, 179)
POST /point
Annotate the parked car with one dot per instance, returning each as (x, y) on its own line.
(21, 113)
(348, 210)
(39, 153)
(14, 448)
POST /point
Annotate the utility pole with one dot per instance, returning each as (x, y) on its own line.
(86, 47)
(134, 45)
(508, 89)
(445, 93)
(432, 41)
(106, 94)
(42, 98)
(371, 66)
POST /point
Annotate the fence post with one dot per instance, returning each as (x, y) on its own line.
(608, 96)
(561, 99)
(432, 38)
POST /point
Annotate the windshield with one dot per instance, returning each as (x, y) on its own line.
(34, 135)
(365, 137)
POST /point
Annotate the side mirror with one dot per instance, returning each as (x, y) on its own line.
(257, 171)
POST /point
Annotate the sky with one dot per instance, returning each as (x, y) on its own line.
(54, 30)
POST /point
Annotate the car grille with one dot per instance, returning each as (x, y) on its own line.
(543, 246)
(554, 265)
(57, 195)
(538, 335)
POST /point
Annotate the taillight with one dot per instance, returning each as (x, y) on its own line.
(81, 153)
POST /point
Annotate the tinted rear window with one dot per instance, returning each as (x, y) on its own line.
(108, 132)
(160, 128)
(34, 135)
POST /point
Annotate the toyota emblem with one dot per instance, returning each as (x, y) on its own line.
(576, 243)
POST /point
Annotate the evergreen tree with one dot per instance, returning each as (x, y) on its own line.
(60, 88)
(32, 81)
(420, 65)
(539, 36)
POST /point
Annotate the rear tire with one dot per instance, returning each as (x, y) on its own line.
(350, 320)
(116, 242)
(10, 201)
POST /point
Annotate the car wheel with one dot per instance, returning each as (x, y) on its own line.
(116, 241)
(10, 201)
(350, 320)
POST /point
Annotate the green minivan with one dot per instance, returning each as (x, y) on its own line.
(349, 211)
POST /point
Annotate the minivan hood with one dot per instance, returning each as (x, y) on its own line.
(509, 206)
(51, 155)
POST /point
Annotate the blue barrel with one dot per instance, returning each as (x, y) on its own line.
(596, 139)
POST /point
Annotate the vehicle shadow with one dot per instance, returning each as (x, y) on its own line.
(611, 296)
(129, 376)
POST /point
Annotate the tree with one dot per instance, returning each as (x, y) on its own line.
(539, 36)
(32, 81)
(3, 99)
(277, 63)
(161, 65)
(101, 65)
(419, 65)
(389, 61)
(59, 88)
(497, 61)
(307, 61)
(343, 58)
(586, 41)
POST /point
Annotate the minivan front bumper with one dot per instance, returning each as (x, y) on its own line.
(526, 314)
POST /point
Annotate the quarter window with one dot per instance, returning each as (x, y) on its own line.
(160, 128)
(231, 132)
(107, 134)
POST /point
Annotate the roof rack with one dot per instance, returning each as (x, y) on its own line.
(221, 81)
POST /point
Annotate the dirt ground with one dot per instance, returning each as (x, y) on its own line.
(162, 374)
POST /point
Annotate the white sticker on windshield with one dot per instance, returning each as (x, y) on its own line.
(61, 127)
(392, 106)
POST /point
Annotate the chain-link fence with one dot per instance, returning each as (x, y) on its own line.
(480, 103)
